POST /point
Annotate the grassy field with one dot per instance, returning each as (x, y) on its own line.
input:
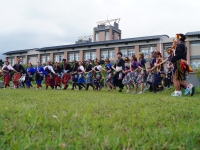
(50, 119)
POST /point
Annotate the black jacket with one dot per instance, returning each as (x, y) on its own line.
(180, 53)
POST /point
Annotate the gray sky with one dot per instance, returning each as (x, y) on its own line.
(39, 23)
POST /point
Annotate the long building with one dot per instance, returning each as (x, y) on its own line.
(107, 42)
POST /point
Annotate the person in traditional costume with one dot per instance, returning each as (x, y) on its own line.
(134, 71)
(158, 72)
(74, 74)
(118, 67)
(20, 71)
(109, 74)
(181, 67)
(142, 73)
(81, 79)
(49, 75)
(127, 75)
(57, 76)
(29, 75)
(6, 69)
(98, 75)
(88, 72)
(169, 67)
(66, 70)
(150, 77)
(40, 72)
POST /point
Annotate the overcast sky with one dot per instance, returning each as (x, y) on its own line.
(28, 24)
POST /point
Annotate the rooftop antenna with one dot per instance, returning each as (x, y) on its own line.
(108, 21)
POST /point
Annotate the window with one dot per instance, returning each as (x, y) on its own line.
(76, 56)
(97, 36)
(127, 52)
(195, 64)
(93, 56)
(146, 50)
(107, 36)
(23, 60)
(165, 47)
(58, 57)
(195, 43)
(107, 54)
(44, 58)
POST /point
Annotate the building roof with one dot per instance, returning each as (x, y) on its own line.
(155, 37)
(192, 33)
(17, 51)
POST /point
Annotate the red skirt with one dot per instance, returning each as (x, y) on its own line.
(16, 78)
(65, 78)
(49, 80)
(57, 81)
(6, 79)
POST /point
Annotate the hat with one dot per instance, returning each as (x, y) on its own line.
(119, 53)
(64, 59)
(181, 37)
(126, 59)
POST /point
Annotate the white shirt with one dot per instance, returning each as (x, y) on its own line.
(98, 67)
(82, 68)
(9, 67)
(50, 68)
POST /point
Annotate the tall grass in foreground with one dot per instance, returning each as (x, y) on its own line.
(49, 119)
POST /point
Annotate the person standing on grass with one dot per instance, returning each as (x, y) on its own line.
(118, 67)
(109, 74)
(6, 69)
(127, 75)
(65, 69)
(49, 76)
(57, 71)
(88, 73)
(181, 67)
(20, 71)
(29, 75)
(134, 67)
(81, 79)
(40, 72)
(74, 74)
(98, 75)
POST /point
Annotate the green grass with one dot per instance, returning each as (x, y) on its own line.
(49, 119)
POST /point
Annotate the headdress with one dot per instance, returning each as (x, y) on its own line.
(96, 61)
(126, 59)
(181, 37)
(141, 54)
(169, 50)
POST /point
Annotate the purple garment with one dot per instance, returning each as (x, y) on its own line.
(134, 65)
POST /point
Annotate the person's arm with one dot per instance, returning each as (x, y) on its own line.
(123, 64)
(51, 68)
(180, 50)
(23, 70)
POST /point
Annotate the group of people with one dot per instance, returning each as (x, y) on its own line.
(126, 72)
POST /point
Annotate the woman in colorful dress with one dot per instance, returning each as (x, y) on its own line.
(81, 79)
(57, 76)
(66, 70)
(134, 71)
(127, 75)
(74, 74)
(6, 69)
(158, 70)
(109, 74)
(40, 72)
(29, 75)
(98, 75)
(49, 75)
(181, 68)
(150, 77)
(88, 73)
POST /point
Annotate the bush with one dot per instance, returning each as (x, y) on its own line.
(197, 73)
